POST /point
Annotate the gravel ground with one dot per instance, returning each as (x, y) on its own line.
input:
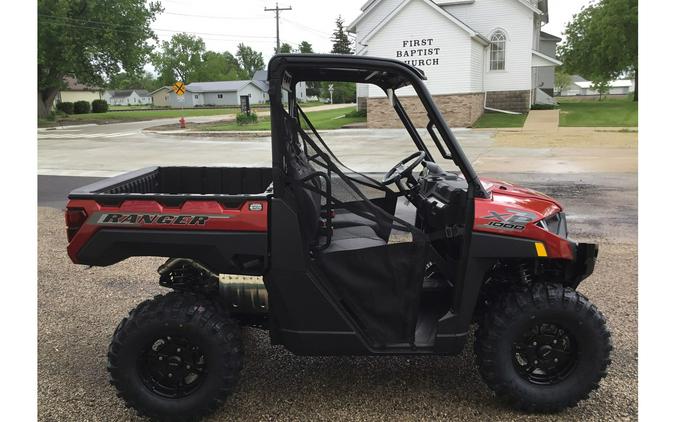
(79, 309)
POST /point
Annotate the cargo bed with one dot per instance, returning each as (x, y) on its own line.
(215, 215)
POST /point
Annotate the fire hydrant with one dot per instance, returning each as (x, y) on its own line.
(182, 122)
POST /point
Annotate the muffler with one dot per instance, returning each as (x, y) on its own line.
(241, 294)
(245, 295)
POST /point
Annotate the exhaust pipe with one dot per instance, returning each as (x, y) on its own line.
(241, 294)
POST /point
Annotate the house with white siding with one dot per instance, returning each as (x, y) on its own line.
(127, 97)
(582, 87)
(212, 94)
(476, 54)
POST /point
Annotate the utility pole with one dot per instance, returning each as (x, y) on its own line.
(276, 10)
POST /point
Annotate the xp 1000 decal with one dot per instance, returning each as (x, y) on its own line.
(512, 220)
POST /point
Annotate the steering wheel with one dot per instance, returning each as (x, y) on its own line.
(404, 168)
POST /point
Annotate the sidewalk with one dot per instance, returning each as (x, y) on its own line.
(542, 120)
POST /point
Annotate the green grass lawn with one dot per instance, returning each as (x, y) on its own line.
(492, 119)
(322, 120)
(610, 112)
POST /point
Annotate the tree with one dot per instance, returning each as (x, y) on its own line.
(90, 40)
(218, 67)
(313, 87)
(124, 80)
(343, 92)
(249, 60)
(602, 41)
(341, 42)
(179, 58)
(562, 80)
(601, 86)
(305, 48)
(285, 48)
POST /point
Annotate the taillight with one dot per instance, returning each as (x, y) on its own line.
(75, 218)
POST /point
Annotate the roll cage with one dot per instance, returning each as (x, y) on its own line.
(286, 70)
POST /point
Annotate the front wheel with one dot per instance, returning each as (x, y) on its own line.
(544, 348)
(175, 357)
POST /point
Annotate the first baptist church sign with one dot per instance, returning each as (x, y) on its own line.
(419, 52)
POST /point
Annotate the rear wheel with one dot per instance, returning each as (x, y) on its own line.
(544, 348)
(175, 357)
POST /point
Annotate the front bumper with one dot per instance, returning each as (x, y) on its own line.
(585, 256)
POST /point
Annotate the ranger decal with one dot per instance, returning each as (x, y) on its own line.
(140, 219)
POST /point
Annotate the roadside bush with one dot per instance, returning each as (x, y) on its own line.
(65, 107)
(81, 107)
(357, 113)
(543, 107)
(99, 106)
(246, 119)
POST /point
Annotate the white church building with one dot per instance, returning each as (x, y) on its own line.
(476, 54)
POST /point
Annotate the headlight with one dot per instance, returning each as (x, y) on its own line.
(557, 224)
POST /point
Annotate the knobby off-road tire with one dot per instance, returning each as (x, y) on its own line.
(175, 357)
(554, 326)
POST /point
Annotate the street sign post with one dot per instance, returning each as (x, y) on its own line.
(179, 89)
(330, 89)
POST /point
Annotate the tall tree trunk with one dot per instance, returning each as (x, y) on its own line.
(45, 101)
(635, 94)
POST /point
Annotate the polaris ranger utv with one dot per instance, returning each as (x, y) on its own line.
(339, 271)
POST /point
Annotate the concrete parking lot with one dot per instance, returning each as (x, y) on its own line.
(595, 176)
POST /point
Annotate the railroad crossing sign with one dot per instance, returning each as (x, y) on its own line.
(179, 88)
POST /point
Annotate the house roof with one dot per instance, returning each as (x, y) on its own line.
(542, 60)
(223, 86)
(548, 37)
(123, 93)
(168, 88)
(619, 83)
(72, 84)
(370, 5)
(473, 34)
(260, 75)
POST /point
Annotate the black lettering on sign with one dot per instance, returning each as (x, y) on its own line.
(408, 49)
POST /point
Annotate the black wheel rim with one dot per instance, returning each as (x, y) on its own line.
(545, 353)
(172, 367)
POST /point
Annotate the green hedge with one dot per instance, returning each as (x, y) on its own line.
(82, 107)
(65, 107)
(99, 106)
(543, 107)
(246, 119)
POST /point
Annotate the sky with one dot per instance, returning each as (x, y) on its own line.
(223, 24)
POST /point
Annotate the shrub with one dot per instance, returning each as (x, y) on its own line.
(99, 106)
(543, 107)
(82, 107)
(65, 107)
(246, 119)
(357, 113)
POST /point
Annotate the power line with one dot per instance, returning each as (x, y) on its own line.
(110, 26)
(307, 28)
(216, 17)
(276, 11)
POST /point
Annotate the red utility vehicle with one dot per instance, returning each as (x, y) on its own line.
(341, 272)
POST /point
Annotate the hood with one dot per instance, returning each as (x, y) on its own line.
(507, 194)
